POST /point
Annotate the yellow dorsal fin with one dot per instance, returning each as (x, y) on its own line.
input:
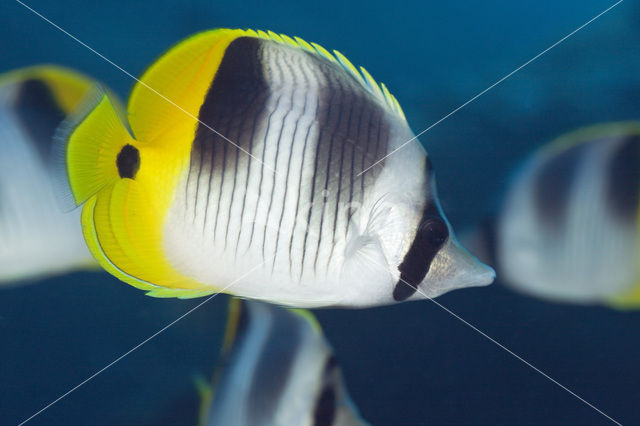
(362, 76)
(180, 78)
(175, 85)
(68, 86)
(591, 133)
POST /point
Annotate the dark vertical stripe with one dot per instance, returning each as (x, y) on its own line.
(322, 114)
(273, 370)
(212, 170)
(365, 151)
(623, 179)
(553, 182)
(238, 89)
(222, 173)
(242, 122)
(324, 410)
(345, 141)
(295, 224)
(39, 113)
(236, 154)
(305, 84)
(354, 137)
(284, 121)
(250, 161)
(197, 155)
(264, 151)
(333, 129)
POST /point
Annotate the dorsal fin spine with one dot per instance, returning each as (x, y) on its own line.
(303, 43)
(275, 37)
(288, 40)
(324, 52)
(362, 76)
(349, 66)
(373, 84)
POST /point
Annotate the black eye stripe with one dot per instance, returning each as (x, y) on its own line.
(432, 234)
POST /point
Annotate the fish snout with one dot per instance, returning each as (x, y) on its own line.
(453, 268)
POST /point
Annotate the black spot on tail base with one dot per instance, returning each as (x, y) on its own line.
(128, 161)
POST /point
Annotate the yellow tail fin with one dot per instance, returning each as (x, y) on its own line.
(88, 146)
(626, 301)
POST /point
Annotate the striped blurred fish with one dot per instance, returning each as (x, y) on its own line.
(36, 238)
(568, 229)
(277, 369)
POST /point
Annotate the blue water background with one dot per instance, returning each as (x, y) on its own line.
(406, 364)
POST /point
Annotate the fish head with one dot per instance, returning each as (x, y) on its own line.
(435, 262)
(420, 247)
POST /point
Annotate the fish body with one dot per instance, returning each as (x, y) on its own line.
(277, 369)
(568, 229)
(36, 238)
(250, 160)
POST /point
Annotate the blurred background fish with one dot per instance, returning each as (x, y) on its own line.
(37, 238)
(277, 368)
(568, 228)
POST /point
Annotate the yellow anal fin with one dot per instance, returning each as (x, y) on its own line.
(180, 293)
(95, 246)
(309, 318)
(129, 239)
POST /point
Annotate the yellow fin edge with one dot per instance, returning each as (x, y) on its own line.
(361, 75)
(93, 243)
(309, 318)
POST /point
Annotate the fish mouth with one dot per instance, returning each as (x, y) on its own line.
(455, 268)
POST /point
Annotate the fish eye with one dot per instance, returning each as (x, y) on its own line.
(433, 233)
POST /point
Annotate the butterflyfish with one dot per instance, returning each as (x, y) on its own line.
(256, 164)
(567, 230)
(37, 239)
(277, 368)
